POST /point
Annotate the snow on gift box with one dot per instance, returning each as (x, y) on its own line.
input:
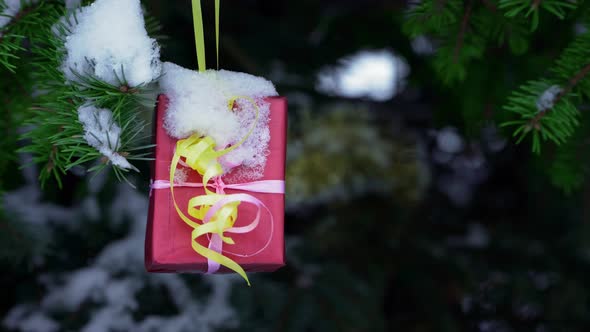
(220, 141)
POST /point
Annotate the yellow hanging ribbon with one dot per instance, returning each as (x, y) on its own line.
(200, 155)
(200, 34)
(217, 5)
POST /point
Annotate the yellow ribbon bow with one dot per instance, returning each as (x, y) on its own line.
(200, 155)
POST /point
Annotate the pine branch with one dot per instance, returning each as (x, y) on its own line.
(465, 31)
(526, 8)
(572, 83)
(568, 166)
(430, 16)
(15, 20)
(31, 23)
(57, 137)
(548, 107)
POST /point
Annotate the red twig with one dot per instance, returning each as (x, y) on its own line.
(572, 83)
(463, 30)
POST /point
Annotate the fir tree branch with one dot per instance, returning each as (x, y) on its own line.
(16, 18)
(32, 23)
(527, 8)
(572, 83)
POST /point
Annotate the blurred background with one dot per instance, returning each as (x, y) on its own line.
(407, 208)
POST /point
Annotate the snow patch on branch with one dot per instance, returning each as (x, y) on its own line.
(70, 4)
(8, 11)
(103, 133)
(547, 99)
(108, 40)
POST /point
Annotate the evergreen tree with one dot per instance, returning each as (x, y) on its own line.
(455, 201)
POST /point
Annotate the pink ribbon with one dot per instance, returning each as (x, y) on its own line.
(215, 241)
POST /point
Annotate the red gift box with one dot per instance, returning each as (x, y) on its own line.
(168, 238)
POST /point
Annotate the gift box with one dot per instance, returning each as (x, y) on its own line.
(168, 246)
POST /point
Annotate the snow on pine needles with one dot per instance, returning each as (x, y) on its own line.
(101, 132)
(109, 41)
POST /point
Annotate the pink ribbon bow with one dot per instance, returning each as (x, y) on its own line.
(215, 241)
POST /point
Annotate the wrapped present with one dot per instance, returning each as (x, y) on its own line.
(254, 240)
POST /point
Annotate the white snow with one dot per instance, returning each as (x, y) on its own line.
(110, 285)
(43, 212)
(181, 175)
(85, 284)
(422, 45)
(35, 322)
(378, 75)
(109, 319)
(44, 215)
(547, 99)
(199, 104)
(11, 8)
(449, 141)
(110, 42)
(101, 132)
(70, 4)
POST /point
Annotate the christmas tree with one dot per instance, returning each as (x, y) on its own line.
(436, 172)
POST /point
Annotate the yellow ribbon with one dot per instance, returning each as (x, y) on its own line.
(200, 34)
(200, 155)
(217, 5)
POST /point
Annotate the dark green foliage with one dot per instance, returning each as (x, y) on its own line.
(573, 65)
(330, 300)
(556, 124)
(14, 110)
(569, 167)
(531, 8)
(559, 122)
(470, 31)
(426, 16)
(30, 24)
(569, 164)
(56, 139)
(515, 258)
(464, 30)
(20, 242)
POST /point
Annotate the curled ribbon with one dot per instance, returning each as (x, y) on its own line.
(217, 211)
(264, 186)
